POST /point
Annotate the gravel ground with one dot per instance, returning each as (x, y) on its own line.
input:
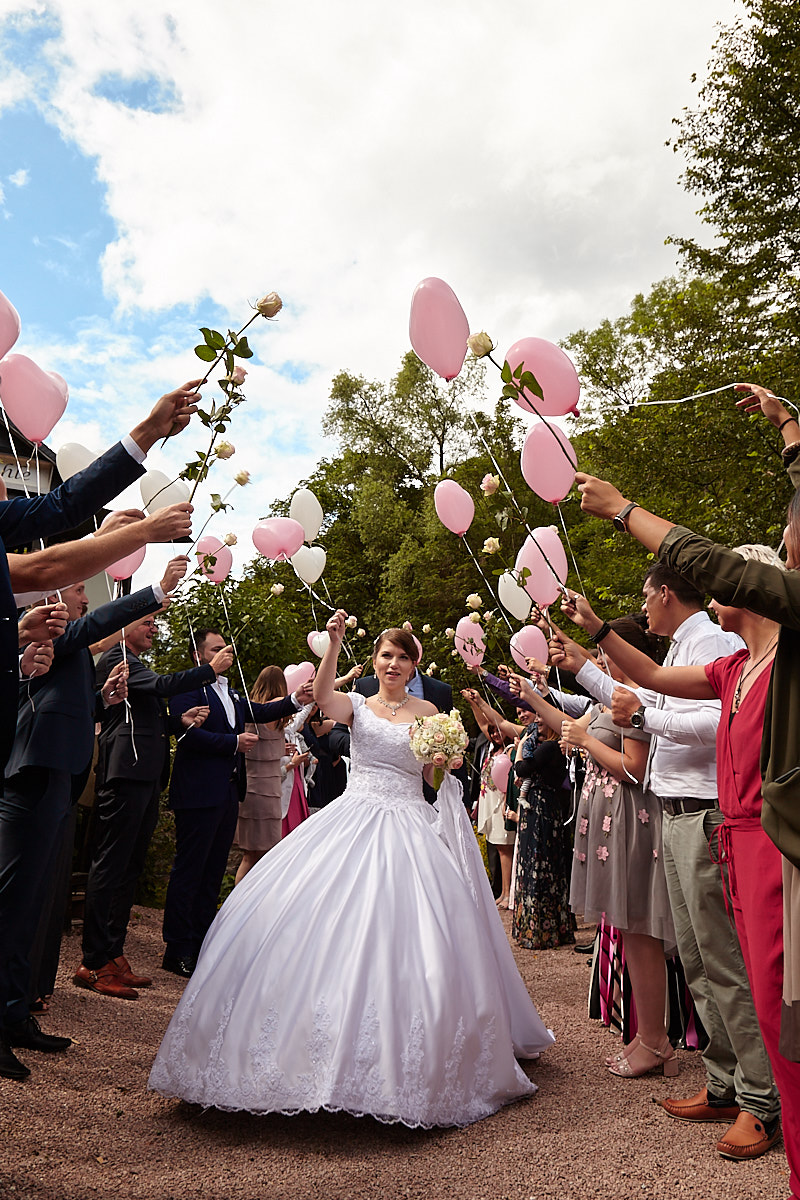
(84, 1126)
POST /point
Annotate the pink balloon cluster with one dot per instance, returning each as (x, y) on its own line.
(454, 506)
(543, 555)
(554, 373)
(278, 537)
(548, 462)
(470, 642)
(438, 327)
(209, 547)
(33, 399)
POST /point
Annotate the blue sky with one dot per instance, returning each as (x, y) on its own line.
(161, 167)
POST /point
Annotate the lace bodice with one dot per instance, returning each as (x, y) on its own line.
(382, 767)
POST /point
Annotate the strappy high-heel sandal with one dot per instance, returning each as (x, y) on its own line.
(664, 1055)
(622, 1054)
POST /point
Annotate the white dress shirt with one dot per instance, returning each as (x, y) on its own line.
(220, 686)
(683, 760)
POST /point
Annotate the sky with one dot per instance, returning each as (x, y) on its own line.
(162, 165)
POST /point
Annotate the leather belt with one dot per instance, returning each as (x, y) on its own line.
(677, 805)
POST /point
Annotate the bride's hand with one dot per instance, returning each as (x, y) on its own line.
(336, 627)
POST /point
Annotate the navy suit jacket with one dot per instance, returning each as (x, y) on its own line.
(22, 520)
(55, 727)
(207, 759)
(150, 726)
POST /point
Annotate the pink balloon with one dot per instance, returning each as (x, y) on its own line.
(278, 537)
(541, 585)
(469, 641)
(500, 771)
(125, 567)
(296, 674)
(33, 399)
(438, 327)
(528, 642)
(554, 373)
(212, 547)
(9, 325)
(548, 462)
(418, 644)
(454, 507)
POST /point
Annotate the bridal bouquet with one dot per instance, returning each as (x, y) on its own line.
(439, 740)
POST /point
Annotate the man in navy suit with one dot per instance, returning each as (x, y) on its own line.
(53, 743)
(208, 782)
(24, 519)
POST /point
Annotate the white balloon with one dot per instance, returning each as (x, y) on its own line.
(306, 508)
(73, 457)
(319, 643)
(513, 597)
(309, 562)
(159, 491)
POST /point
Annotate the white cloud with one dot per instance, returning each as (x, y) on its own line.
(338, 154)
(19, 178)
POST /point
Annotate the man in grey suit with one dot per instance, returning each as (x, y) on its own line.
(132, 771)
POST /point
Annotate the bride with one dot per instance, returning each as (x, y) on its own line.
(361, 965)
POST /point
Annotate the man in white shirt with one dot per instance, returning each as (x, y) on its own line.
(682, 773)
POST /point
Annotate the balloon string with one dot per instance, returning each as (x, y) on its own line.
(569, 544)
(236, 653)
(347, 648)
(492, 592)
(196, 659)
(514, 501)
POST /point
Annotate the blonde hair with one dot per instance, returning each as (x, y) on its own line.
(762, 554)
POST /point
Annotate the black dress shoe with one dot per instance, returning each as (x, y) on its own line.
(583, 949)
(28, 1033)
(10, 1066)
(178, 966)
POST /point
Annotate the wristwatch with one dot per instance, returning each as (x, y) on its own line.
(637, 718)
(620, 521)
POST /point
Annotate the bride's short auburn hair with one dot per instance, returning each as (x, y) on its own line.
(399, 637)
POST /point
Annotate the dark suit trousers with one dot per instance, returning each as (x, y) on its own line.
(203, 840)
(127, 814)
(33, 815)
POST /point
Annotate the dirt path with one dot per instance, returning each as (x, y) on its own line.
(83, 1127)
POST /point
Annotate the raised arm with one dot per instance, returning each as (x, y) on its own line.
(336, 705)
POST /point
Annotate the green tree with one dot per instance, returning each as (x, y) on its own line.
(742, 149)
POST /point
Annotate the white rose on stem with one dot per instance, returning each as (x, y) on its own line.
(474, 600)
(270, 305)
(480, 344)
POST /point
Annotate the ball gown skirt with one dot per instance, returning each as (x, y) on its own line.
(361, 966)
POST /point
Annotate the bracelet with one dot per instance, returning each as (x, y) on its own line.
(602, 632)
(786, 422)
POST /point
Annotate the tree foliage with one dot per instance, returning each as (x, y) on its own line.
(742, 149)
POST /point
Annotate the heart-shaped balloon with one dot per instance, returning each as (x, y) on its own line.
(296, 674)
(309, 563)
(9, 325)
(305, 508)
(278, 537)
(159, 491)
(72, 457)
(33, 399)
(208, 548)
(318, 642)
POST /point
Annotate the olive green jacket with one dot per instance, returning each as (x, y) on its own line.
(774, 593)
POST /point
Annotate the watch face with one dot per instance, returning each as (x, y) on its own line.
(619, 523)
(637, 719)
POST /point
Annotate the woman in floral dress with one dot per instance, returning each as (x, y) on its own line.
(617, 872)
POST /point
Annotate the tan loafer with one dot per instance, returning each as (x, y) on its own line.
(748, 1137)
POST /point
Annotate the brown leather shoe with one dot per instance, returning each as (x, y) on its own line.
(698, 1108)
(106, 982)
(748, 1137)
(127, 976)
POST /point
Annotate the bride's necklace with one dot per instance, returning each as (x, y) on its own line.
(393, 708)
(737, 695)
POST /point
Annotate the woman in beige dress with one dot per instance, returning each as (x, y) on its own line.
(259, 826)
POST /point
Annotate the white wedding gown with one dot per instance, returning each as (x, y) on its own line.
(360, 966)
